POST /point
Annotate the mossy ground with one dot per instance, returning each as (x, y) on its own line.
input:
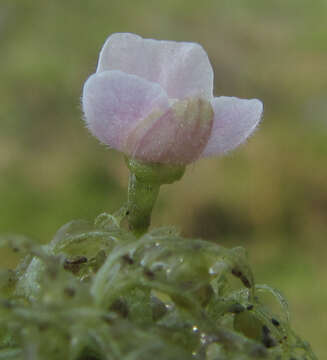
(96, 292)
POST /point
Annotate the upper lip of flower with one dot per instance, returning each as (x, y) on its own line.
(141, 95)
(182, 69)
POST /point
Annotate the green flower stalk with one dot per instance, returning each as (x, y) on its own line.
(143, 189)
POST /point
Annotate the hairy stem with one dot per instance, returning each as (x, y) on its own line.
(141, 199)
(143, 189)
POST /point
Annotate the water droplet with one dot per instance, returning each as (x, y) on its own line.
(169, 306)
(195, 329)
(218, 267)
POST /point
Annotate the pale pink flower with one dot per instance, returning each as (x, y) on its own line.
(153, 100)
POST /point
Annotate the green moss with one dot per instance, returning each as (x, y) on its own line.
(96, 292)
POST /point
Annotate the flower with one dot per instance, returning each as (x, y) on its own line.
(153, 100)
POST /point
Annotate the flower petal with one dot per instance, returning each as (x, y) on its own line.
(113, 102)
(234, 120)
(181, 68)
(177, 137)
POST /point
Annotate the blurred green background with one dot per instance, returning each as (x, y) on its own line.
(269, 196)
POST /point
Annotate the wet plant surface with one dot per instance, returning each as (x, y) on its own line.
(97, 292)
